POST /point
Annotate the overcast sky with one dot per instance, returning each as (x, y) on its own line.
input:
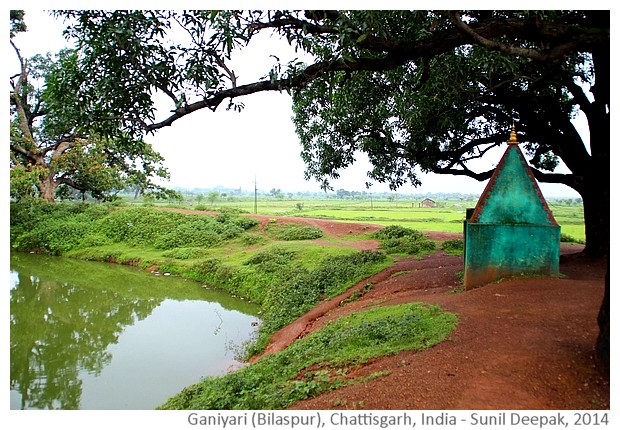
(225, 148)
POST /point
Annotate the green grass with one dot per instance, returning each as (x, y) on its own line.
(321, 361)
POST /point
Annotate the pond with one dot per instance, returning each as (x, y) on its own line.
(88, 335)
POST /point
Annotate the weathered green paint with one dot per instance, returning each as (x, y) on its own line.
(511, 231)
(498, 250)
(513, 199)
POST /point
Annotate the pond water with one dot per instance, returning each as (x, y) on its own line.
(88, 335)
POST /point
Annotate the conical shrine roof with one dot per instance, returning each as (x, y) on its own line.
(512, 195)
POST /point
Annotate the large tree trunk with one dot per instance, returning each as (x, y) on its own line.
(47, 187)
(597, 218)
(596, 176)
(596, 208)
(602, 343)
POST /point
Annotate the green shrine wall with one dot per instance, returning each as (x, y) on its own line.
(493, 251)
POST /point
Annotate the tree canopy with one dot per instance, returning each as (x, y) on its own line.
(52, 147)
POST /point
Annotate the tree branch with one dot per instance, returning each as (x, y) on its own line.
(483, 176)
(29, 155)
(572, 43)
(394, 52)
(16, 98)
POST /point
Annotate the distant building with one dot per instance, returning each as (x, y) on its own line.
(428, 203)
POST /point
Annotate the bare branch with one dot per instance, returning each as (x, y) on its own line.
(483, 176)
(229, 73)
(23, 117)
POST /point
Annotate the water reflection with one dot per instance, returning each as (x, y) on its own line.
(97, 336)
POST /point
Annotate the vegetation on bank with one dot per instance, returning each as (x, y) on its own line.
(322, 361)
(277, 267)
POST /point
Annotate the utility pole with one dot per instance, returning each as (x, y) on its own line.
(255, 196)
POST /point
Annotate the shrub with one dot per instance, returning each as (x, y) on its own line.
(395, 232)
(271, 259)
(249, 239)
(189, 234)
(453, 246)
(57, 228)
(138, 226)
(206, 268)
(401, 240)
(54, 228)
(570, 239)
(293, 231)
(299, 289)
(55, 236)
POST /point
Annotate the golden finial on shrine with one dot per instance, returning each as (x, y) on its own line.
(513, 137)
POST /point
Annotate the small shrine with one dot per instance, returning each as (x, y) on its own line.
(511, 231)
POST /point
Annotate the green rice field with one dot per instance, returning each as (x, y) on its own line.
(448, 216)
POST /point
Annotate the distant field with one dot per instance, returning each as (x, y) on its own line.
(448, 216)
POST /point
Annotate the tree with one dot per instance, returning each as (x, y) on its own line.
(213, 196)
(427, 91)
(50, 148)
(276, 193)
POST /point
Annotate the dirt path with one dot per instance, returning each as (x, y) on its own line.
(519, 344)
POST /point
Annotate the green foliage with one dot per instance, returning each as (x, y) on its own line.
(63, 227)
(271, 259)
(54, 228)
(566, 238)
(396, 232)
(401, 240)
(293, 231)
(297, 290)
(453, 246)
(195, 232)
(23, 182)
(249, 238)
(320, 361)
(17, 22)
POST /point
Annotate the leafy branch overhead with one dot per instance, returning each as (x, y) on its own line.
(135, 48)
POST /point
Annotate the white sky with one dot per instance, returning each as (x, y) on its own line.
(225, 148)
